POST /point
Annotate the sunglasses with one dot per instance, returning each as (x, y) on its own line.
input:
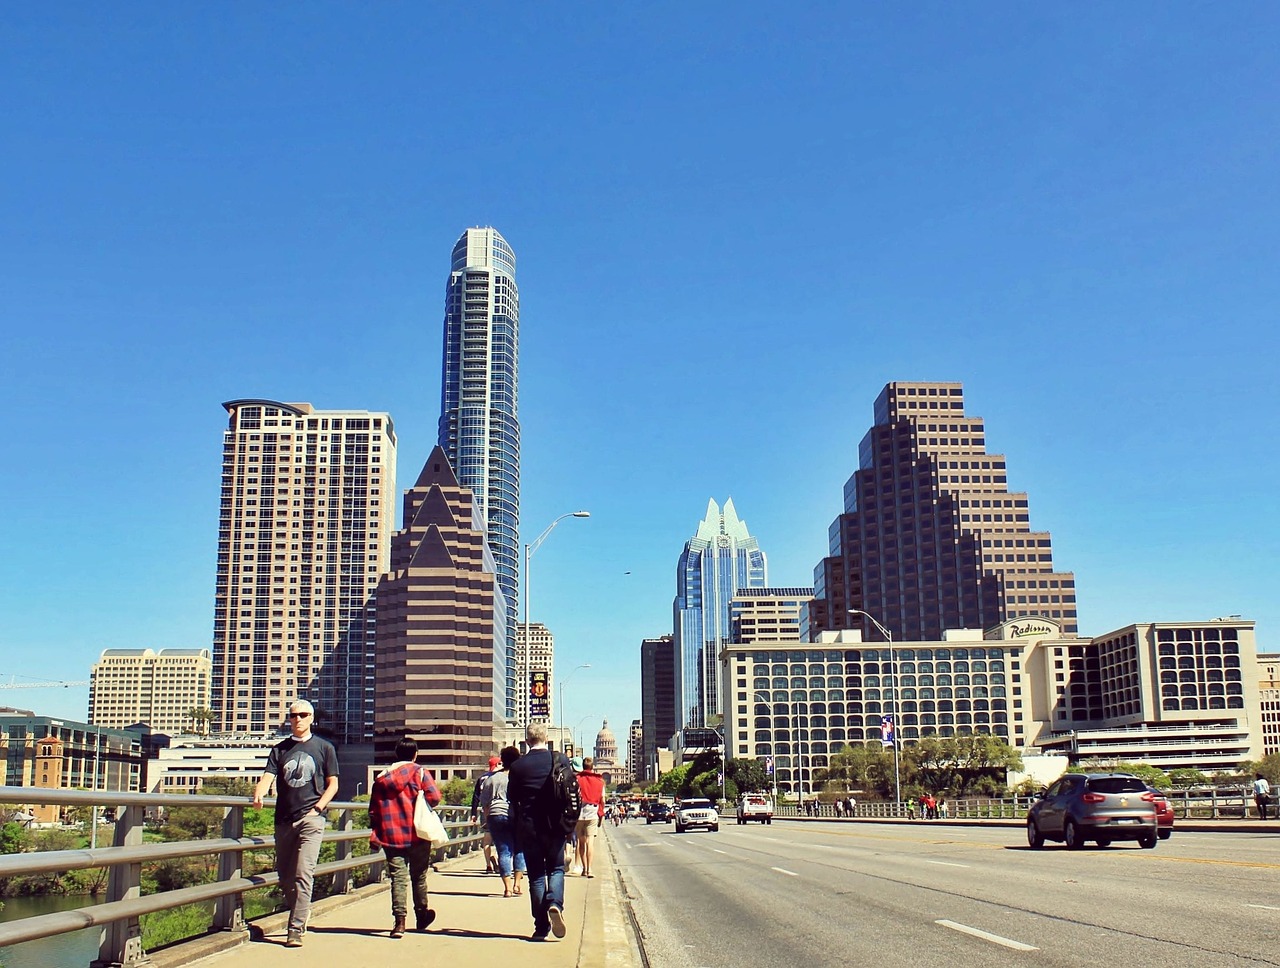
(298, 715)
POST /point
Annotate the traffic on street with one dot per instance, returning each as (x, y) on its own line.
(811, 894)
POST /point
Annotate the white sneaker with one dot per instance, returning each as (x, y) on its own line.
(556, 917)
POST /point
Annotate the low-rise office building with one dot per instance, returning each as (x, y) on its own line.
(1170, 694)
(184, 766)
(60, 754)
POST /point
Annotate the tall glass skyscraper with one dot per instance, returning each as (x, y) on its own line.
(479, 422)
(717, 561)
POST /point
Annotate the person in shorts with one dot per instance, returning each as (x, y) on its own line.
(591, 789)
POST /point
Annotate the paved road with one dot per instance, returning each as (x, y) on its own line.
(909, 895)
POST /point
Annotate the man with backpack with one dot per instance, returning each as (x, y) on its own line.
(543, 793)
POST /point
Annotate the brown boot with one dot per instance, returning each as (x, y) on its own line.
(424, 917)
(398, 930)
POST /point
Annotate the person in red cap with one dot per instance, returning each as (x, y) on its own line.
(490, 855)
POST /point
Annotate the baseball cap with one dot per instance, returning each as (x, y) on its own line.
(494, 762)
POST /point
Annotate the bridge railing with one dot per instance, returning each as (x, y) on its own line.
(118, 916)
(1205, 804)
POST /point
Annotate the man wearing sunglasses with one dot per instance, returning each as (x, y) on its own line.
(304, 769)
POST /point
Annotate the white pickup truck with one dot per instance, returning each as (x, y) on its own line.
(755, 806)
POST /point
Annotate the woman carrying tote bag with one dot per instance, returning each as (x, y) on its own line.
(392, 804)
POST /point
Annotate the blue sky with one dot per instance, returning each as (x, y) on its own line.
(734, 224)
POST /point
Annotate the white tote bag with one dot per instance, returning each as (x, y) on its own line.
(426, 822)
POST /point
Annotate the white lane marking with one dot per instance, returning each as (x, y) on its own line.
(717, 850)
(1265, 907)
(943, 863)
(985, 936)
(781, 870)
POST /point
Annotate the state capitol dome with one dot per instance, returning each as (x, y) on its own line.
(606, 745)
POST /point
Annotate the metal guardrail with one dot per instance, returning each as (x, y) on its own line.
(1187, 804)
(121, 942)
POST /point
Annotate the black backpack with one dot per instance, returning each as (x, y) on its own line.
(560, 801)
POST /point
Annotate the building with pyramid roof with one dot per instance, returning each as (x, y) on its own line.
(441, 631)
(721, 558)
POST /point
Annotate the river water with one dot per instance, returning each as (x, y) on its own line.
(74, 950)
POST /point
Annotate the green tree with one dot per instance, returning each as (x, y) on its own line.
(1268, 766)
(13, 838)
(457, 791)
(671, 782)
(1152, 775)
(747, 775)
(867, 768)
(200, 717)
(1184, 778)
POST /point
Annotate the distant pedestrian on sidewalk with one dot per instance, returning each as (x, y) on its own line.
(591, 790)
(540, 806)
(486, 840)
(391, 803)
(1261, 795)
(495, 806)
(304, 769)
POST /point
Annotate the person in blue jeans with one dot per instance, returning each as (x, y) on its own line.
(538, 835)
(496, 810)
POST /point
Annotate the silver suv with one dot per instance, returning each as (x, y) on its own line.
(696, 813)
(1102, 807)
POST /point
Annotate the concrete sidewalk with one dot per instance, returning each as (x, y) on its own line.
(474, 925)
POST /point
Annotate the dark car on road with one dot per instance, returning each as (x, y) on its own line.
(1102, 807)
(658, 813)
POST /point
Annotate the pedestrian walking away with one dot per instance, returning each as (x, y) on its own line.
(486, 840)
(304, 769)
(543, 793)
(496, 809)
(391, 805)
(1261, 794)
(591, 792)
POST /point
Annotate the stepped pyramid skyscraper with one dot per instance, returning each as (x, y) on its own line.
(479, 417)
(441, 617)
(931, 537)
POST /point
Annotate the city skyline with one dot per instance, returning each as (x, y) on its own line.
(1071, 216)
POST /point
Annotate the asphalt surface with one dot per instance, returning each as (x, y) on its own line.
(903, 894)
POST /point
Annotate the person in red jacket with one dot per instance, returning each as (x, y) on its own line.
(391, 803)
(591, 789)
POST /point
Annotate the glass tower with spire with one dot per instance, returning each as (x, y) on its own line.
(717, 561)
(479, 389)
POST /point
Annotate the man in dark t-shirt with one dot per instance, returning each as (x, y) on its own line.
(304, 768)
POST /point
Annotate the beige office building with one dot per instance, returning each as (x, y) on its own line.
(304, 535)
(1172, 694)
(767, 614)
(161, 689)
(1269, 700)
(535, 691)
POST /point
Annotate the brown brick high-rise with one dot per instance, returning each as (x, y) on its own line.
(441, 632)
(931, 538)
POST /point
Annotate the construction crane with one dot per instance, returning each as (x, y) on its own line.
(40, 683)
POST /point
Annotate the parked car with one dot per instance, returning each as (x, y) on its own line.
(1102, 807)
(658, 813)
(755, 806)
(696, 813)
(1164, 814)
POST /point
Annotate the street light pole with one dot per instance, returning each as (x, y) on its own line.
(585, 665)
(893, 698)
(522, 665)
